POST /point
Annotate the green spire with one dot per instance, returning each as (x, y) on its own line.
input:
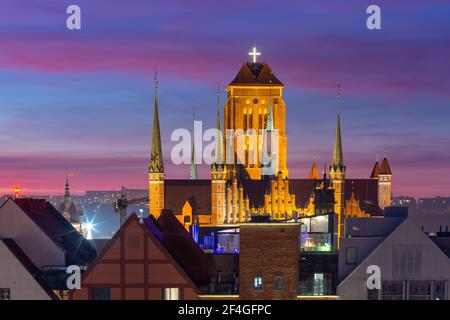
(194, 175)
(269, 125)
(218, 159)
(338, 157)
(156, 157)
(267, 141)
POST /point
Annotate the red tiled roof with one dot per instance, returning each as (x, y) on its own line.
(385, 168)
(183, 248)
(366, 191)
(375, 171)
(255, 74)
(197, 192)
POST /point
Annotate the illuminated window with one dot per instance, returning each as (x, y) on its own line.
(257, 283)
(170, 294)
(5, 294)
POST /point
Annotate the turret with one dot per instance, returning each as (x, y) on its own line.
(156, 165)
(384, 184)
(375, 171)
(218, 177)
(337, 173)
(314, 173)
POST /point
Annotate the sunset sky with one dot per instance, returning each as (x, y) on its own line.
(84, 99)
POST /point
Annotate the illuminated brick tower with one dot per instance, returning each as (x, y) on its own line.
(218, 176)
(337, 176)
(156, 165)
(384, 184)
(246, 108)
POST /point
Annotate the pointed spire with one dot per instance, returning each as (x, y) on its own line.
(385, 169)
(193, 164)
(375, 170)
(156, 157)
(314, 173)
(267, 151)
(338, 157)
(218, 159)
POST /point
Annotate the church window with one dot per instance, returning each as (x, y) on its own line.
(257, 283)
(278, 283)
(245, 120)
(255, 101)
(101, 294)
(170, 294)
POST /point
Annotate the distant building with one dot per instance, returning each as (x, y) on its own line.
(69, 210)
(239, 188)
(414, 263)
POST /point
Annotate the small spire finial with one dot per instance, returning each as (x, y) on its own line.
(339, 94)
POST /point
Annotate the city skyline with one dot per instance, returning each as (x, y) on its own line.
(84, 99)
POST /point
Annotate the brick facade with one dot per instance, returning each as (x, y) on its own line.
(269, 251)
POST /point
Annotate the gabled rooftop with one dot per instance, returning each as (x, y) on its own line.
(34, 271)
(77, 249)
(253, 73)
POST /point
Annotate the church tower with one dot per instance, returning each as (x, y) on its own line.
(218, 176)
(384, 184)
(246, 112)
(67, 199)
(337, 175)
(156, 165)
